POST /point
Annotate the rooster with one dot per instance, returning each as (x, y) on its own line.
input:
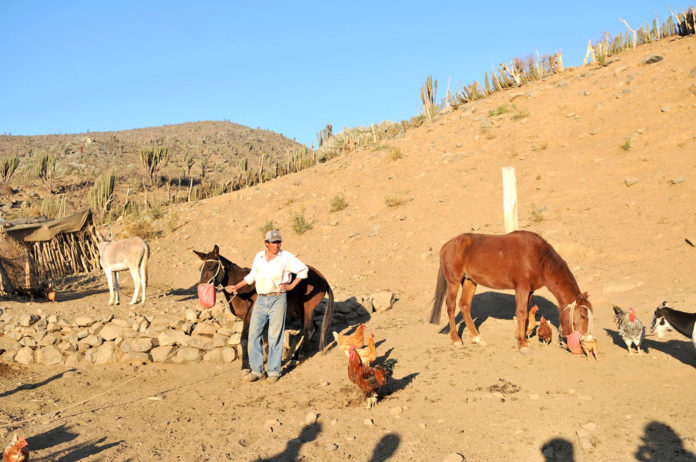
(544, 331)
(631, 330)
(367, 378)
(531, 320)
(16, 451)
(369, 353)
(356, 339)
(51, 293)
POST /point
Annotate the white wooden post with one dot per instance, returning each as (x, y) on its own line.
(510, 199)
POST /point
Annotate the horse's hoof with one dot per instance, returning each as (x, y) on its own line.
(479, 341)
(524, 350)
(457, 344)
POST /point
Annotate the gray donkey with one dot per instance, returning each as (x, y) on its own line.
(127, 254)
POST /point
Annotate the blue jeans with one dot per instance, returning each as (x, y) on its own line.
(271, 310)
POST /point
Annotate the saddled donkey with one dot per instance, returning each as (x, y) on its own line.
(129, 254)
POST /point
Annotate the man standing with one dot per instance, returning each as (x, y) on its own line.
(271, 271)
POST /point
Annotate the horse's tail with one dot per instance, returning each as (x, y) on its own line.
(326, 323)
(439, 297)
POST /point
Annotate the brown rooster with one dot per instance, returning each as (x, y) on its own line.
(367, 378)
(16, 451)
(51, 293)
(531, 320)
(369, 353)
(356, 339)
(544, 331)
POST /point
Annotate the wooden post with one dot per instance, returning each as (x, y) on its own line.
(510, 199)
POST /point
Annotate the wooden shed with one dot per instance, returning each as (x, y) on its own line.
(32, 250)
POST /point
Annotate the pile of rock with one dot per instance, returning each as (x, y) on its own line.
(48, 339)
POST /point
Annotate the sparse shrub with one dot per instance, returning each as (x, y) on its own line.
(520, 114)
(541, 147)
(268, 226)
(395, 200)
(537, 214)
(395, 153)
(142, 229)
(338, 203)
(299, 223)
(172, 221)
(498, 111)
(155, 211)
(627, 145)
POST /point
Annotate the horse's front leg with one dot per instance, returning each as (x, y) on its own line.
(522, 298)
(468, 290)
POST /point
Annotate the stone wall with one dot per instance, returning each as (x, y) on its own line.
(197, 335)
(209, 335)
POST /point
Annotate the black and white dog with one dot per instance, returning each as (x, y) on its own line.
(666, 319)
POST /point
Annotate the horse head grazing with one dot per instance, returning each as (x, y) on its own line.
(577, 316)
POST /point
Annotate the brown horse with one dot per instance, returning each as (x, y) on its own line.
(301, 300)
(520, 260)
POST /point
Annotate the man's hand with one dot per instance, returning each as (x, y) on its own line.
(230, 290)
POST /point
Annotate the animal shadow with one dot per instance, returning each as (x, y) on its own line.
(349, 313)
(186, 294)
(499, 305)
(680, 350)
(617, 340)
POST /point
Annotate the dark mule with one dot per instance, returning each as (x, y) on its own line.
(301, 300)
(520, 260)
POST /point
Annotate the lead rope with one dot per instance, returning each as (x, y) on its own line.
(590, 321)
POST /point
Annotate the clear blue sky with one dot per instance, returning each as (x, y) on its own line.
(287, 66)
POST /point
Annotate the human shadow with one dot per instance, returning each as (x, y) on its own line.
(661, 442)
(558, 449)
(31, 386)
(386, 447)
(617, 340)
(61, 435)
(499, 305)
(292, 448)
(680, 350)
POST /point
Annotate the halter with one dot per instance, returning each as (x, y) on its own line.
(217, 271)
(572, 317)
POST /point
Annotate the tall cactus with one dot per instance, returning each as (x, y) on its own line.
(153, 159)
(8, 167)
(428, 96)
(102, 193)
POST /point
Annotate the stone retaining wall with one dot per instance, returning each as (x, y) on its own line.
(200, 335)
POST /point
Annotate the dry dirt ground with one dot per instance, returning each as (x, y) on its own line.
(617, 211)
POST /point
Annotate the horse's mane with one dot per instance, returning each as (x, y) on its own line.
(553, 264)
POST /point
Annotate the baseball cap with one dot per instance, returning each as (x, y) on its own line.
(273, 236)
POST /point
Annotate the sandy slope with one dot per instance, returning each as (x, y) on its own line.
(625, 245)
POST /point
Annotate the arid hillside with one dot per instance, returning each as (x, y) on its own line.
(606, 173)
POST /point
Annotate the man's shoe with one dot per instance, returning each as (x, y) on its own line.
(251, 377)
